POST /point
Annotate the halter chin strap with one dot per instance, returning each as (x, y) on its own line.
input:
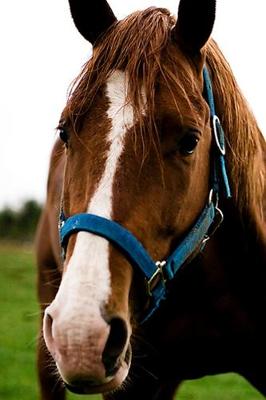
(157, 274)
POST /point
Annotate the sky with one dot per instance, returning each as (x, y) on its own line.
(41, 54)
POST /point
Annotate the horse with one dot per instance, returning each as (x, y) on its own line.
(157, 180)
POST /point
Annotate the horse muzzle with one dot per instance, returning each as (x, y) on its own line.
(92, 353)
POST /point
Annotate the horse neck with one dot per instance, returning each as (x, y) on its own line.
(247, 230)
(251, 219)
(238, 253)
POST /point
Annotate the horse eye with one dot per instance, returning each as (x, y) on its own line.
(188, 144)
(63, 135)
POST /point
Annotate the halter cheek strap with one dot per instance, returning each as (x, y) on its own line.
(157, 274)
(220, 177)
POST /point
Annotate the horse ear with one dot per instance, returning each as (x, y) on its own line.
(92, 18)
(194, 23)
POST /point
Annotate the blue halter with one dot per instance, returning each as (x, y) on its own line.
(157, 274)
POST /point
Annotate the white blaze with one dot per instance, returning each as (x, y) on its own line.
(88, 276)
(121, 115)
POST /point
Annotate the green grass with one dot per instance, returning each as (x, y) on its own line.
(18, 330)
(219, 387)
(18, 323)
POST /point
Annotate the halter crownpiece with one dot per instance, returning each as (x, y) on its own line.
(158, 274)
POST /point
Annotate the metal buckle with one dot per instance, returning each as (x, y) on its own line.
(159, 273)
(219, 217)
(218, 127)
(204, 241)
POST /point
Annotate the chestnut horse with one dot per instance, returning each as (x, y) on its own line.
(135, 177)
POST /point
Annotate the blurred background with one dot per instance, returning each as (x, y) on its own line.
(41, 53)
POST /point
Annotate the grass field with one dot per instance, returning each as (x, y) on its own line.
(18, 330)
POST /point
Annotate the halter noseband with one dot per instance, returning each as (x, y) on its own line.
(157, 274)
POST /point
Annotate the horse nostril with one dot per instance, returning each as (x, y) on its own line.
(47, 331)
(115, 345)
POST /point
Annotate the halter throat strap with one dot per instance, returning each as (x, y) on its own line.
(158, 274)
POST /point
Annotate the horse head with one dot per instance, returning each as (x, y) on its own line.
(137, 135)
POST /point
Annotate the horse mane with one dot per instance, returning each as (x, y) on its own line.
(245, 143)
(138, 45)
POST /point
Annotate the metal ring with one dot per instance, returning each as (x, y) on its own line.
(215, 121)
(213, 198)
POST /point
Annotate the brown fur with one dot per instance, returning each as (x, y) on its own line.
(208, 318)
(146, 57)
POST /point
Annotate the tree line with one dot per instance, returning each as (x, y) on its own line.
(20, 225)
